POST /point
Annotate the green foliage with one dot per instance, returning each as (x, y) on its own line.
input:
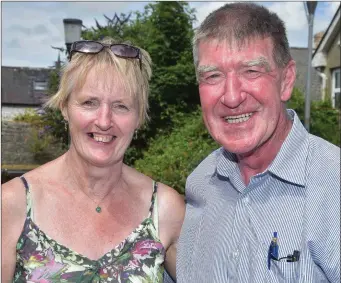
(171, 158)
(29, 116)
(165, 30)
(39, 142)
(324, 120)
(53, 122)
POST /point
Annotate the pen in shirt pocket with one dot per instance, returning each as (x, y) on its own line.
(274, 252)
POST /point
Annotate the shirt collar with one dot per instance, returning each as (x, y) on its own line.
(293, 152)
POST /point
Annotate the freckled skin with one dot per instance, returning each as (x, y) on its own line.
(99, 108)
(262, 92)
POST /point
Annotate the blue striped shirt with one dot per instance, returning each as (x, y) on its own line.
(228, 226)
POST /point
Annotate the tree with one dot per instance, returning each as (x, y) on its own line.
(165, 30)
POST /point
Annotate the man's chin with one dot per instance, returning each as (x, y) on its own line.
(239, 148)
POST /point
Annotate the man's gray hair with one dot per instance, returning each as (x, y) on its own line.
(240, 22)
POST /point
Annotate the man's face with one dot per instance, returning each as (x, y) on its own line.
(242, 93)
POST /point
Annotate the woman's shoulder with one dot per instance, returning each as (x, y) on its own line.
(170, 199)
(13, 201)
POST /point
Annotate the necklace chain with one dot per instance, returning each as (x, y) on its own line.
(98, 207)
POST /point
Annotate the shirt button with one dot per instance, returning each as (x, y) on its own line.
(246, 201)
(235, 254)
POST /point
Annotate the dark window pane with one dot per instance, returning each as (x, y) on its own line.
(337, 79)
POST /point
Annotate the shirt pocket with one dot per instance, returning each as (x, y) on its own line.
(281, 271)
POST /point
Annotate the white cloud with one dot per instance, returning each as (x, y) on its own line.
(205, 8)
(27, 39)
(292, 13)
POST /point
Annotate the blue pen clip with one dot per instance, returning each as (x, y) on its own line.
(273, 250)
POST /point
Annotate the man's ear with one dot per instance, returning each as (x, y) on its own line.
(288, 80)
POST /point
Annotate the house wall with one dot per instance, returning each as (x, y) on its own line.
(8, 112)
(15, 145)
(300, 55)
(333, 61)
(333, 57)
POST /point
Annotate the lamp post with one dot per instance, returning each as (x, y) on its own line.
(310, 10)
(72, 32)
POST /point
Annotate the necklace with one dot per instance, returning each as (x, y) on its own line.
(98, 207)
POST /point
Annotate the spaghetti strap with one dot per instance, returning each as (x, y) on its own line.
(153, 211)
(155, 184)
(29, 209)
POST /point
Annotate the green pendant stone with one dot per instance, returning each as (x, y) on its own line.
(98, 209)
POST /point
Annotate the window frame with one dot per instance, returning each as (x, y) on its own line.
(40, 85)
(335, 89)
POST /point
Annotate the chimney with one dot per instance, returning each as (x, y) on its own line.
(317, 38)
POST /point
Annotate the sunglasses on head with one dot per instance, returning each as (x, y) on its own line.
(94, 47)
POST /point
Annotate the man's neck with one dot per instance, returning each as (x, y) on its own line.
(259, 160)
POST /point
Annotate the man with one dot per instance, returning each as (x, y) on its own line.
(265, 207)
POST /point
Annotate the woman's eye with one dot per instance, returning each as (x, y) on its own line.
(121, 107)
(89, 103)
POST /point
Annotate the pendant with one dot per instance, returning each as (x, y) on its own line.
(98, 209)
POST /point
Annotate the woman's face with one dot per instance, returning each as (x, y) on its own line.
(102, 118)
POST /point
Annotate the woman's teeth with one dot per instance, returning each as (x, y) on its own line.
(102, 138)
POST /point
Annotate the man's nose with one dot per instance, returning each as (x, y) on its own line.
(233, 95)
(104, 117)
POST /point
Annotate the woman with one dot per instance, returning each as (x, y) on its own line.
(86, 216)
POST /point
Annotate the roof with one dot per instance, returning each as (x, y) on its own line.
(23, 86)
(319, 56)
(300, 55)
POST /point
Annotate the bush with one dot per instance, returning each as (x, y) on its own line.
(324, 120)
(171, 158)
(29, 116)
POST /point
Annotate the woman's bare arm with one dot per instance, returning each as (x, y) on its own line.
(171, 215)
(13, 201)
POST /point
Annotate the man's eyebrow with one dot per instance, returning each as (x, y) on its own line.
(260, 61)
(206, 68)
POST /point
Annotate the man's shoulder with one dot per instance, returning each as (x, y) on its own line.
(323, 168)
(206, 167)
(323, 152)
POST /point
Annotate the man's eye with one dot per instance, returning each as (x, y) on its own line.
(252, 73)
(212, 78)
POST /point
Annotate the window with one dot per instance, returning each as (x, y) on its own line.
(40, 85)
(336, 98)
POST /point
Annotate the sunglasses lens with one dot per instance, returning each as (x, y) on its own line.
(125, 50)
(87, 47)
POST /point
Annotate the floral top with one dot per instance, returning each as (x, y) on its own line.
(139, 258)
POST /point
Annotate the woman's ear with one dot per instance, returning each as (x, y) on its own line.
(63, 109)
(288, 80)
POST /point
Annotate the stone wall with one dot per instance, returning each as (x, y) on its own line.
(15, 145)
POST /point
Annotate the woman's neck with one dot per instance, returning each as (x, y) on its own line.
(92, 179)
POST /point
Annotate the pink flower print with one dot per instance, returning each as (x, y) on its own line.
(143, 249)
(49, 272)
(132, 265)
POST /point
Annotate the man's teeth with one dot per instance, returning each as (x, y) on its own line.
(238, 118)
(100, 138)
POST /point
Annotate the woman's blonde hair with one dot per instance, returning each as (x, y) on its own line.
(134, 79)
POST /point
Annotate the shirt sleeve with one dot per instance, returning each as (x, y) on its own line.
(167, 278)
(323, 225)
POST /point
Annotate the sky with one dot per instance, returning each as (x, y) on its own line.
(29, 29)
